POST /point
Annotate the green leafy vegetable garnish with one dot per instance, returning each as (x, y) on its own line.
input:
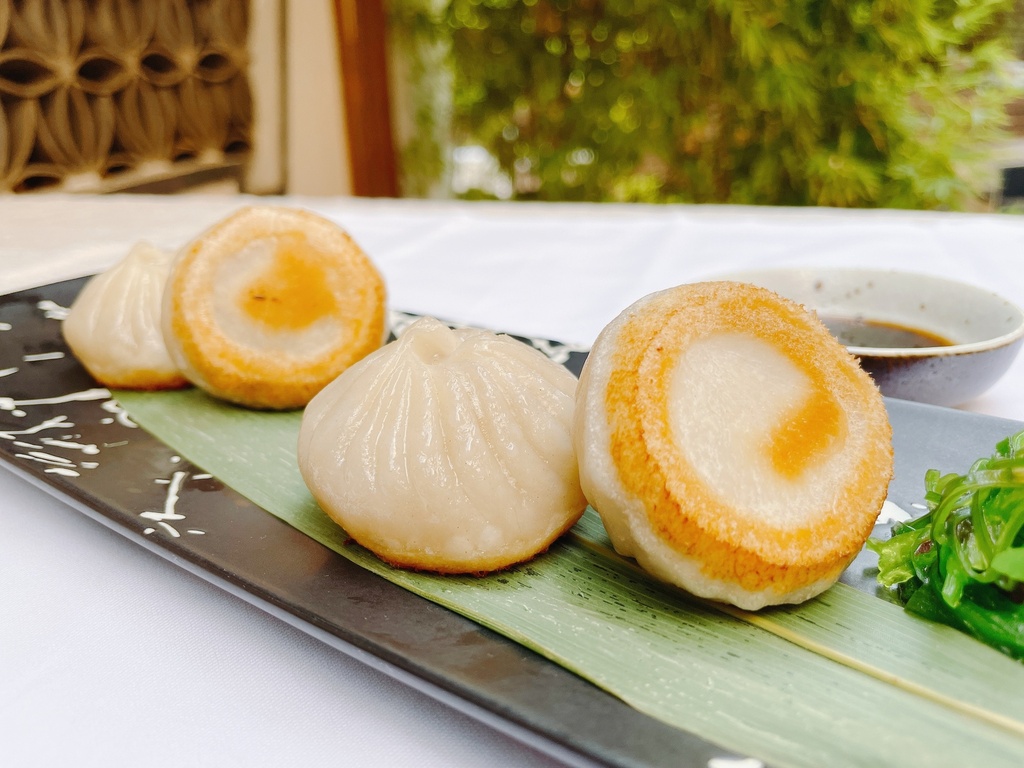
(962, 563)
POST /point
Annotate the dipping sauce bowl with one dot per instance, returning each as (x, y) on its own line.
(921, 337)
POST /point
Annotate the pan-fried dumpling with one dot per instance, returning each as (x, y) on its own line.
(730, 444)
(269, 305)
(447, 450)
(113, 326)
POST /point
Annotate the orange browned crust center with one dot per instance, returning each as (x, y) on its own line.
(806, 432)
(680, 507)
(293, 292)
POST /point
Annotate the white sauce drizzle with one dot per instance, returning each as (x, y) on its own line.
(90, 449)
(61, 471)
(54, 464)
(120, 414)
(52, 310)
(39, 451)
(10, 404)
(57, 465)
(54, 423)
(60, 465)
(559, 353)
(45, 458)
(170, 512)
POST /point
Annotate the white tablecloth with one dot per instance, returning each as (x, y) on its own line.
(110, 655)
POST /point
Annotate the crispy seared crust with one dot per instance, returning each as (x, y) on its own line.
(660, 508)
(279, 335)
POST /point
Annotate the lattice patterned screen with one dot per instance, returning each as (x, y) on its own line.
(101, 94)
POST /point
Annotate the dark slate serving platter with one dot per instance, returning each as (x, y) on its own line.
(62, 431)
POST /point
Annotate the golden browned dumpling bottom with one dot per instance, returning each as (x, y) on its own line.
(731, 444)
(270, 305)
(113, 326)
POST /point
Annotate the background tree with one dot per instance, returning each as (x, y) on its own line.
(887, 103)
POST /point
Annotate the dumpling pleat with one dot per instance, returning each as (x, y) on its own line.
(444, 460)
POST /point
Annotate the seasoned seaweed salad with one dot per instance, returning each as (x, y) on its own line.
(962, 563)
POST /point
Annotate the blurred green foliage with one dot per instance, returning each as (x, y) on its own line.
(1015, 29)
(867, 103)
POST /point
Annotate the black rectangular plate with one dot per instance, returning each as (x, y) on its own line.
(63, 432)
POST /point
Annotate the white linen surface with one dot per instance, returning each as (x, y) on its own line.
(112, 656)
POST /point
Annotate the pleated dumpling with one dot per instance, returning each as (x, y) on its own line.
(114, 329)
(446, 450)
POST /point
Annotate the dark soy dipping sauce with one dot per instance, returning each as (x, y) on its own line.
(859, 332)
